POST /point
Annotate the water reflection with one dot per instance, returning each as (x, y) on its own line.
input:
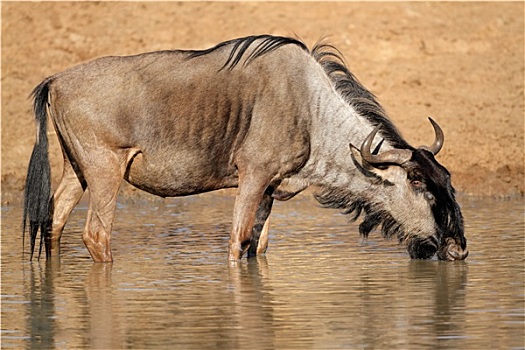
(252, 302)
(447, 285)
(104, 322)
(41, 307)
(320, 286)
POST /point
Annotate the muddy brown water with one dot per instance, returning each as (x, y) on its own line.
(320, 286)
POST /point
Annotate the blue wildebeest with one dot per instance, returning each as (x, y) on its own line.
(261, 113)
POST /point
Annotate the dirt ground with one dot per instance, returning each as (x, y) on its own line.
(461, 63)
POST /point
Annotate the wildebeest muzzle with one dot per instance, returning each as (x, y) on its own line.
(426, 248)
(452, 250)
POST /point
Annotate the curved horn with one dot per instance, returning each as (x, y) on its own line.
(396, 156)
(440, 138)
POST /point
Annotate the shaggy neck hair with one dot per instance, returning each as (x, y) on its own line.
(354, 205)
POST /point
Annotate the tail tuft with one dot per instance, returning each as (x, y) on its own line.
(37, 193)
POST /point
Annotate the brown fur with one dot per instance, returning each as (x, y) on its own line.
(259, 113)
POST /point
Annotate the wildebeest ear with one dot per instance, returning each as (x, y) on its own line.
(366, 168)
(356, 154)
(358, 159)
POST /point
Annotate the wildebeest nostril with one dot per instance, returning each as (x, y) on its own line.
(452, 251)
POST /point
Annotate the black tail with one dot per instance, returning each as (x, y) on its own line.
(37, 195)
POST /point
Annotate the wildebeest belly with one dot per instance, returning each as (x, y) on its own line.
(179, 174)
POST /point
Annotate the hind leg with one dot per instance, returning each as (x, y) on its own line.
(259, 241)
(104, 176)
(67, 195)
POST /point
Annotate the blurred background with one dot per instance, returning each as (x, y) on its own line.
(461, 63)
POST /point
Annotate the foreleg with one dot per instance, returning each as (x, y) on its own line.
(250, 195)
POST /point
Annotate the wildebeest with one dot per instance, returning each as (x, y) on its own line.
(261, 113)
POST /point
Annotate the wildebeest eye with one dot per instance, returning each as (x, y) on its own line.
(429, 196)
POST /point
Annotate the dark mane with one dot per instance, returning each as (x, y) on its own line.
(268, 44)
(355, 94)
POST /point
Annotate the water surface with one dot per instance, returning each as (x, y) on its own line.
(320, 286)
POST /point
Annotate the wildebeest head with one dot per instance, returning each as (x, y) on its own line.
(411, 195)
